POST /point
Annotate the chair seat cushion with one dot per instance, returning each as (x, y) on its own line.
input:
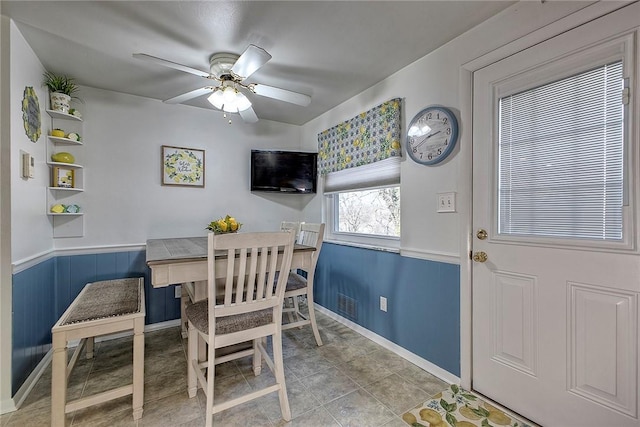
(197, 314)
(295, 282)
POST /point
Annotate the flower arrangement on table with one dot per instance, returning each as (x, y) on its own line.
(228, 224)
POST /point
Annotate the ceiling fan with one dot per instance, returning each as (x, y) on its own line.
(229, 72)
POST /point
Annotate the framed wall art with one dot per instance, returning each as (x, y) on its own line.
(182, 166)
(63, 177)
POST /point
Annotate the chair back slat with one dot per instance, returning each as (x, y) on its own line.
(228, 282)
(253, 267)
(248, 274)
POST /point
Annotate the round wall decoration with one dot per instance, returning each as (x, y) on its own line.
(31, 114)
(432, 135)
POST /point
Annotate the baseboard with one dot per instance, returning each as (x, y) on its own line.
(32, 379)
(24, 390)
(433, 369)
(7, 406)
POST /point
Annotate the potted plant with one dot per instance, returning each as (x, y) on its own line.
(61, 90)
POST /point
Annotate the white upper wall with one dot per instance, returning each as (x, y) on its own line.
(435, 79)
(30, 227)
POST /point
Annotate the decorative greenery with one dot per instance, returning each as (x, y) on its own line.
(60, 83)
(228, 224)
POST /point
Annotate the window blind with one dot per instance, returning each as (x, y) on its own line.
(561, 158)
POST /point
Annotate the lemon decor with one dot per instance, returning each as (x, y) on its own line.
(228, 224)
(63, 157)
(369, 137)
(182, 166)
(31, 114)
(57, 208)
(58, 133)
(457, 407)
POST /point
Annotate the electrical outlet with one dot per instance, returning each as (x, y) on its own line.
(446, 202)
(383, 304)
(178, 291)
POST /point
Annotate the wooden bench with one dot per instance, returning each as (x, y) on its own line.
(101, 308)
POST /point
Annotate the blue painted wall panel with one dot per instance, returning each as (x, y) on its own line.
(33, 316)
(423, 297)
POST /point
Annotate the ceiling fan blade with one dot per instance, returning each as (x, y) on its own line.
(189, 95)
(248, 115)
(251, 59)
(282, 94)
(174, 65)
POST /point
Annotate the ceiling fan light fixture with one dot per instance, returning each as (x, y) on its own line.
(229, 95)
(230, 108)
(242, 101)
(216, 99)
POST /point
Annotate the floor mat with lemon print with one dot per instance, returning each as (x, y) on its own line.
(456, 407)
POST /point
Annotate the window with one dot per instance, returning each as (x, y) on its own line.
(371, 212)
(363, 204)
(561, 158)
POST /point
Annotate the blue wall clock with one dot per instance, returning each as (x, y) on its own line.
(432, 135)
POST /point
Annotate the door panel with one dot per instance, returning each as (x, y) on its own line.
(555, 323)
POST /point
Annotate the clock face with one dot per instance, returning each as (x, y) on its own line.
(432, 134)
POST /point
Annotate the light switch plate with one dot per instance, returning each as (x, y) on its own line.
(446, 202)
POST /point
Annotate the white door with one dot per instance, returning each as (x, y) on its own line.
(555, 309)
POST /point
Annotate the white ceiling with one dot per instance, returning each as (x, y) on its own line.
(328, 50)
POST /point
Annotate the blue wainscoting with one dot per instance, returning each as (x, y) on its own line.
(34, 314)
(43, 292)
(423, 297)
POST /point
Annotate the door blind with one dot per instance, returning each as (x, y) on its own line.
(561, 158)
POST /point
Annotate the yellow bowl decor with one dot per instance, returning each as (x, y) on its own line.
(228, 224)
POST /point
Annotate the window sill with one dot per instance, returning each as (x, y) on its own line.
(363, 246)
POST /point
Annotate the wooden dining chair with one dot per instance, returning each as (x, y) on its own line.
(297, 285)
(291, 225)
(242, 305)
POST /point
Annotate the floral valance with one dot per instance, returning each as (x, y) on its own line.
(369, 137)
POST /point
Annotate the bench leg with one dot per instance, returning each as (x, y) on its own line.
(59, 381)
(90, 346)
(138, 368)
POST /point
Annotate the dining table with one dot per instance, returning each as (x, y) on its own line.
(183, 261)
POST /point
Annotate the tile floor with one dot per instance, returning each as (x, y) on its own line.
(350, 381)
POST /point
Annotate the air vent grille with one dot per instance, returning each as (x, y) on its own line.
(347, 307)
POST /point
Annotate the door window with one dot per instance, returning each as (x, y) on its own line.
(560, 157)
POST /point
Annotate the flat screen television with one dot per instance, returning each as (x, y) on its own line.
(284, 171)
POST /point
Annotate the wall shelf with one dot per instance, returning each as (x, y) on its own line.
(64, 116)
(64, 141)
(66, 224)
(77, 190)
(65, 165)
